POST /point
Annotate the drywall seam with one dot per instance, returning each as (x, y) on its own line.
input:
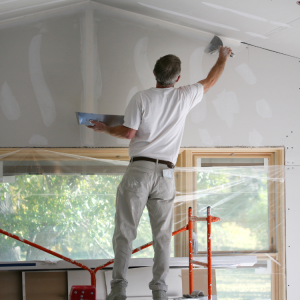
(87, 69)
(263, 109)
(41, 90)
(141, 62)
(198, 113)
(189, 17)
(32, 6)
(209, 35)
(38, 140)
(226, 105)
(246, 15)
(255, 138)
(9, 104)
(41, 13)
(257, 35)
(246, 73)
(8, 1)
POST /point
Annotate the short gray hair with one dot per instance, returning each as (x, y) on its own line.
(167, 69)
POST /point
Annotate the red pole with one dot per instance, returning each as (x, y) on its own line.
(74, 262)
(209, 268)
(190, 225)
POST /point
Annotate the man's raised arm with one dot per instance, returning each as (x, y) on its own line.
(217, 69)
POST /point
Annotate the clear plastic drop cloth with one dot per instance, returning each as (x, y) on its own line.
(66, 203)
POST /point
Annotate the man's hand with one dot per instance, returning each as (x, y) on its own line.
(119, 131)
(224, 53)
(217, 69)
(98, 126)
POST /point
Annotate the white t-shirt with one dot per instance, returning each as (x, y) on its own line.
(158, 115)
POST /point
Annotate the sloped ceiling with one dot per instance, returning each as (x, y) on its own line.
(270, 24)
(10, 9)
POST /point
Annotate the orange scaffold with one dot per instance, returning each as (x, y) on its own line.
(77, 290)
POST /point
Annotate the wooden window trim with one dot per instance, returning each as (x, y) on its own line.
(188, 158)
(98, 153)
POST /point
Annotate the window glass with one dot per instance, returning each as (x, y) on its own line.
(66, 203)
(241, 200)
(69, 214)
(244, 284)
(63, 202)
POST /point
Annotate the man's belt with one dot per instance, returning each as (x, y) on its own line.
(165, 162)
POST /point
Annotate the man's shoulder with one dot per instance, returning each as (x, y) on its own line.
(190, 86)
(145, 93)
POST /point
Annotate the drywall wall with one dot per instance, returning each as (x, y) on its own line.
(41, 78)
(94, 58)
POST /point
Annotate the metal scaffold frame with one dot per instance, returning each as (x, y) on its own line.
(189, 227)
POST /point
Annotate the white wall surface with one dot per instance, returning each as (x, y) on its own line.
(94, 58)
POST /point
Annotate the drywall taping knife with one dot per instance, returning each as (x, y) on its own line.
(109, 120)
(215, 45)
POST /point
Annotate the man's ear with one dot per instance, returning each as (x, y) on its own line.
(178, 78)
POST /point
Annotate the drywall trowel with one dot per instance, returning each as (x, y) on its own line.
(109, 120)
(214, 46)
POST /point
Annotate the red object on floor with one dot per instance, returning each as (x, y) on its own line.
(82, 292)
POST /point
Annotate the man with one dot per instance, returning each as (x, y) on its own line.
(154, 122)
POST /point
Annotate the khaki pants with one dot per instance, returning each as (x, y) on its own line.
(143, 184)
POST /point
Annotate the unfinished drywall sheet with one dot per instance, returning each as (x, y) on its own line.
(41, 79)
(254, 103)
(97, 57)
(131, 43)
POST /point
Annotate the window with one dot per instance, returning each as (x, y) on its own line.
(64, 202)
(64, 199)
(242, 203)
(245, 188)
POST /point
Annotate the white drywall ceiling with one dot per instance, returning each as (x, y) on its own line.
(10, 9)
(274, 25)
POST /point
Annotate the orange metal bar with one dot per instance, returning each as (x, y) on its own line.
(198, 219)
(209, 267)
(199, 263)
(74, 262)
(190, 226)
(209, 219)
(185, 228)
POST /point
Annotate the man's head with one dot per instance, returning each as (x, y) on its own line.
(167, 70)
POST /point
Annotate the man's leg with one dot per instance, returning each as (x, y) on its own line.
(131, 199)
(160, 207)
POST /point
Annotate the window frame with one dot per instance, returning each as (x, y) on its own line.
(187, 182)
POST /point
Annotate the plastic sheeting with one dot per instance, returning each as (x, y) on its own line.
(66, 203)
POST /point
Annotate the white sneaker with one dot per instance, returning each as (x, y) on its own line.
(159, 295)
(118, 292)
